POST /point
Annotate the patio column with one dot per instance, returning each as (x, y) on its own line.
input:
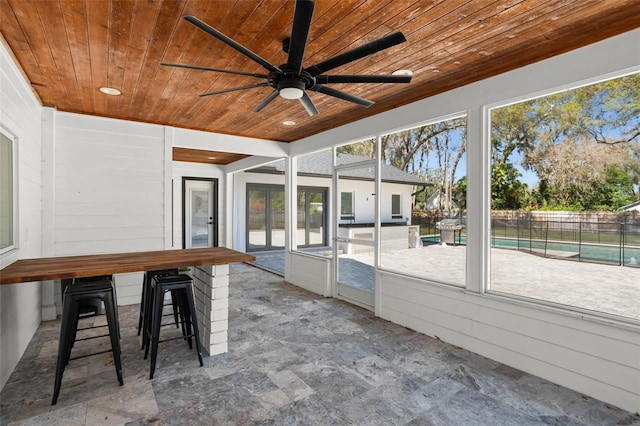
(211, 291)
(478, 199)
(47, 288)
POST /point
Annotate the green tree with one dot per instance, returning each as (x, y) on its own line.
(460, 193)
(513, 131)
(570, 139)
(616, 190)
(507, 191)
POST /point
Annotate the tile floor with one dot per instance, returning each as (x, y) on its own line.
(294, 359)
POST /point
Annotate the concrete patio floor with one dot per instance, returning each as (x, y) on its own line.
(294, 358)
(596, 287)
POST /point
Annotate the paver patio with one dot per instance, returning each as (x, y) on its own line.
(597, 287)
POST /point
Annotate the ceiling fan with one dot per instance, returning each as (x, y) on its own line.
(292, 80)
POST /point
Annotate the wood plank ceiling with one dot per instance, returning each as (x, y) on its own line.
(69, 49)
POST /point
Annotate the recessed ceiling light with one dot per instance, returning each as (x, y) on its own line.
(110, 91)
(289, 123)
(211, 158)
(402, 72)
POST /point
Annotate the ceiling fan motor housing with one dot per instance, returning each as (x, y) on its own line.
(291, 79)
(293, 83)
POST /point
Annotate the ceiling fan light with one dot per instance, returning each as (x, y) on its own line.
(402, 72)
(291, 93)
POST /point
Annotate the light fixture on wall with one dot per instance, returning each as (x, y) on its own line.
(110, 91)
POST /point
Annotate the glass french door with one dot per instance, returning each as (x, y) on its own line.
(355, 236)
(200, 213)
(265, 217)
(311, 221)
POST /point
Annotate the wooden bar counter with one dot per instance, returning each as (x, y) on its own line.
(56, 268)
(210, 271)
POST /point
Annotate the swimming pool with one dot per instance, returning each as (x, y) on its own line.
(626, 255)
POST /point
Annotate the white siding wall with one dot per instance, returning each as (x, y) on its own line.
(109, 185)
(591, 357)
(20, 112)
(309, 272)
(109, 190)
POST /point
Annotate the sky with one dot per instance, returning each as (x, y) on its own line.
(528, 177)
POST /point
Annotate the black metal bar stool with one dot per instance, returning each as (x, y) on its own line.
(144, 320)
(181, 286)
(81, 300)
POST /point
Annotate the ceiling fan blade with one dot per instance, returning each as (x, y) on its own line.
(195, 67)
(341, 95)
(307, 103)
(266, 101)
(299, 33)
(234, 89)
(357, 53)
(328, 79)
(232, 43)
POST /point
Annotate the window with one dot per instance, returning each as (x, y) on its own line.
(396, 206)
(7, 191)
(565, 173)
(428, 165)
(346, 205)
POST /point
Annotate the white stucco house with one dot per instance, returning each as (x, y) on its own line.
(314, 178)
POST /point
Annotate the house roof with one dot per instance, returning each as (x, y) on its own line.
(320, 164)
(631, 206)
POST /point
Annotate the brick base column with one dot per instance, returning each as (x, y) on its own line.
(211, 291)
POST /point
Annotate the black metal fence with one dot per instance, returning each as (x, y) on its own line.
(601, 242)
(596, 241)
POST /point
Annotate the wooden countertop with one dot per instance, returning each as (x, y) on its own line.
(56, 268)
